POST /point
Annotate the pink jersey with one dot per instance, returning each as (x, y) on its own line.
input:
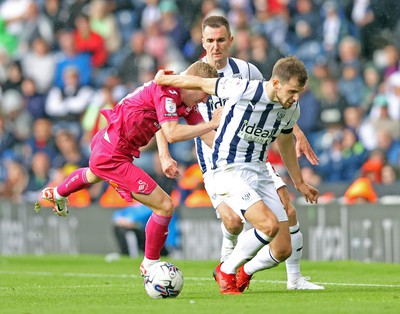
(138, 116)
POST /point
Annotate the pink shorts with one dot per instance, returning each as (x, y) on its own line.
(118, 169)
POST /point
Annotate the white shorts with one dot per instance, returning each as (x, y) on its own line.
(216, 201)
(240, 185)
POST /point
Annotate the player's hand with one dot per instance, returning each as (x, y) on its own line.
(170, 167)
(159, 76)
(304, 147)
(216, 118)
(309, 192)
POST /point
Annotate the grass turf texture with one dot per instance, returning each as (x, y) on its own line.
(89, 284)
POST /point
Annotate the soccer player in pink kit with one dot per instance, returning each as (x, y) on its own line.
(131, 125)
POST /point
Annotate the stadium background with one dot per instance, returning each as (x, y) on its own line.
(61, 61)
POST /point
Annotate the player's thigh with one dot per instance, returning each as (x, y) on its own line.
(236, 188)
(262, 218)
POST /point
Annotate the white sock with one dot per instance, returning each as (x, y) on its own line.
(293, 262)
(228, 243)
(247, 247)
(263, 260)
(147, 263)
(56, 195)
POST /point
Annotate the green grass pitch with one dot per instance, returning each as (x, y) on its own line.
(88, 284)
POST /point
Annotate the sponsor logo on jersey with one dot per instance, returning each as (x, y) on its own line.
(170, 105)
(142, 186)
(246, 196)
(253, 133)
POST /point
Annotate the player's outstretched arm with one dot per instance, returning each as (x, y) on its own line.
(304, 147)
(288, 154)
(186, 82)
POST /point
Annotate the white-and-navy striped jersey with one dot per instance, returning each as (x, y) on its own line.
(234, 68)
(249, 123)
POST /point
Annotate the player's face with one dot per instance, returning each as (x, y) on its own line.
(216, 42)
(192, 97)
(288, 93)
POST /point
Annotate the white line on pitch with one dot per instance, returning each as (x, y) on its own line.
(188, 278)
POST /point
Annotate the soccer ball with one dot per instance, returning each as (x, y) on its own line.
(163, 280)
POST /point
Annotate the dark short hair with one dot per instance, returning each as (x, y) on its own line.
(288, 67)
(215, 21)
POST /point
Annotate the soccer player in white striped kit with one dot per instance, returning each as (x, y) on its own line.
(255, 114)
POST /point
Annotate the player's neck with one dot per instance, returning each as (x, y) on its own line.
(220, 64)
(271, 93)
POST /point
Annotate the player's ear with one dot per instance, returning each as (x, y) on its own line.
(276, 83)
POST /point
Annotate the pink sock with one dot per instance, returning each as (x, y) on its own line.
(74, 182)
(156, 235)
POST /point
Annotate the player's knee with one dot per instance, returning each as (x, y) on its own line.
(269, 227)
(233, 224)
(166, 207)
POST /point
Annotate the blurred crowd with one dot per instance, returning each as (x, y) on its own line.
(62, 61)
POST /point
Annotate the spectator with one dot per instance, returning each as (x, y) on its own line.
(139, 65)
(70, 155)
(8, 42)
(389, 175)
(372, 83)
(332, 104)
(193, 48)
(14, 77)
(39, 176)
(334, 28)
(390, 146)
(350, 81)
(34, 101)
(171, 23)
(372, 167)
(39, 64)
(57, 14)
(17, 119)
(70, 57)
(42, 140)
(35, 24)
(393, 96)
(15, 182)
(87, 41)
(379, 119)
(104, 23)
(66, 105)
(263, 55)
(7, 139)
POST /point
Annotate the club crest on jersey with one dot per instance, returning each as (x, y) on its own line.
(170, 105)
(281, 114)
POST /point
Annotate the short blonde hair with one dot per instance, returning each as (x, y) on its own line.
(202, 69)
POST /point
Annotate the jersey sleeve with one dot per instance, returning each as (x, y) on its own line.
(167, 104)
(228, 87)
(255, 73)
